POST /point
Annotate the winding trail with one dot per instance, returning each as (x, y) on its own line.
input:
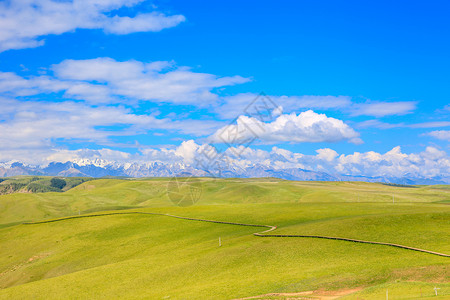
(258, 234)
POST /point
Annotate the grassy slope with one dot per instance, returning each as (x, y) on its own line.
(108, 194)
(154, 256)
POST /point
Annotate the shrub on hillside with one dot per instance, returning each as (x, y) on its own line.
(57, 183)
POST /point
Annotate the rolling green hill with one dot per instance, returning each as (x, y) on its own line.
(159, 257)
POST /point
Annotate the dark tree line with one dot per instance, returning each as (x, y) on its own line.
(58, 183)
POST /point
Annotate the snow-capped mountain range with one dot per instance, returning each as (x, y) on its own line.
(101, 168)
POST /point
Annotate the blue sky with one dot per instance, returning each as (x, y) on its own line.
(127, 77)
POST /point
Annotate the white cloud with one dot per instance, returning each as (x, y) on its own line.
(431, 124)
(38, 124)
(105, 80)
(80, 155)
(141, 23)
(14, 85)
(326, 154)
(383, 125)
(381, 109)
(24, 22)
(187, 150)
(306, 127)
(233, 106)
(429, 163)
(378, 124)
(103, 69)
(157, 81)
(236, 105)
(426, 164)
(440, 134)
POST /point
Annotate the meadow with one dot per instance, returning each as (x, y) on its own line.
(135, 256)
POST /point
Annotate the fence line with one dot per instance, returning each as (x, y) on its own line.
(258, 234)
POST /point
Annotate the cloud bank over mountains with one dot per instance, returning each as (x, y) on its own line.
(429, 166)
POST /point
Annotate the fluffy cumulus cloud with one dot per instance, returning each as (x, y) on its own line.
(440, 134)
(307, 126)
(429, 163)
(23, 23)
(326, 154)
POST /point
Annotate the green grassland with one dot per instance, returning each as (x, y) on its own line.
(159, 257)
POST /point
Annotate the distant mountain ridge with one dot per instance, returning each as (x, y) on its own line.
(102, 168)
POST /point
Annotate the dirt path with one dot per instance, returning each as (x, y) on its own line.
(310, 295)
(258, 234)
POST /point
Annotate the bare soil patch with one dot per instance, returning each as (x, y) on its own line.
(316, 295)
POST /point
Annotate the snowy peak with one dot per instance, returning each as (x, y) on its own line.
(101, 168)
